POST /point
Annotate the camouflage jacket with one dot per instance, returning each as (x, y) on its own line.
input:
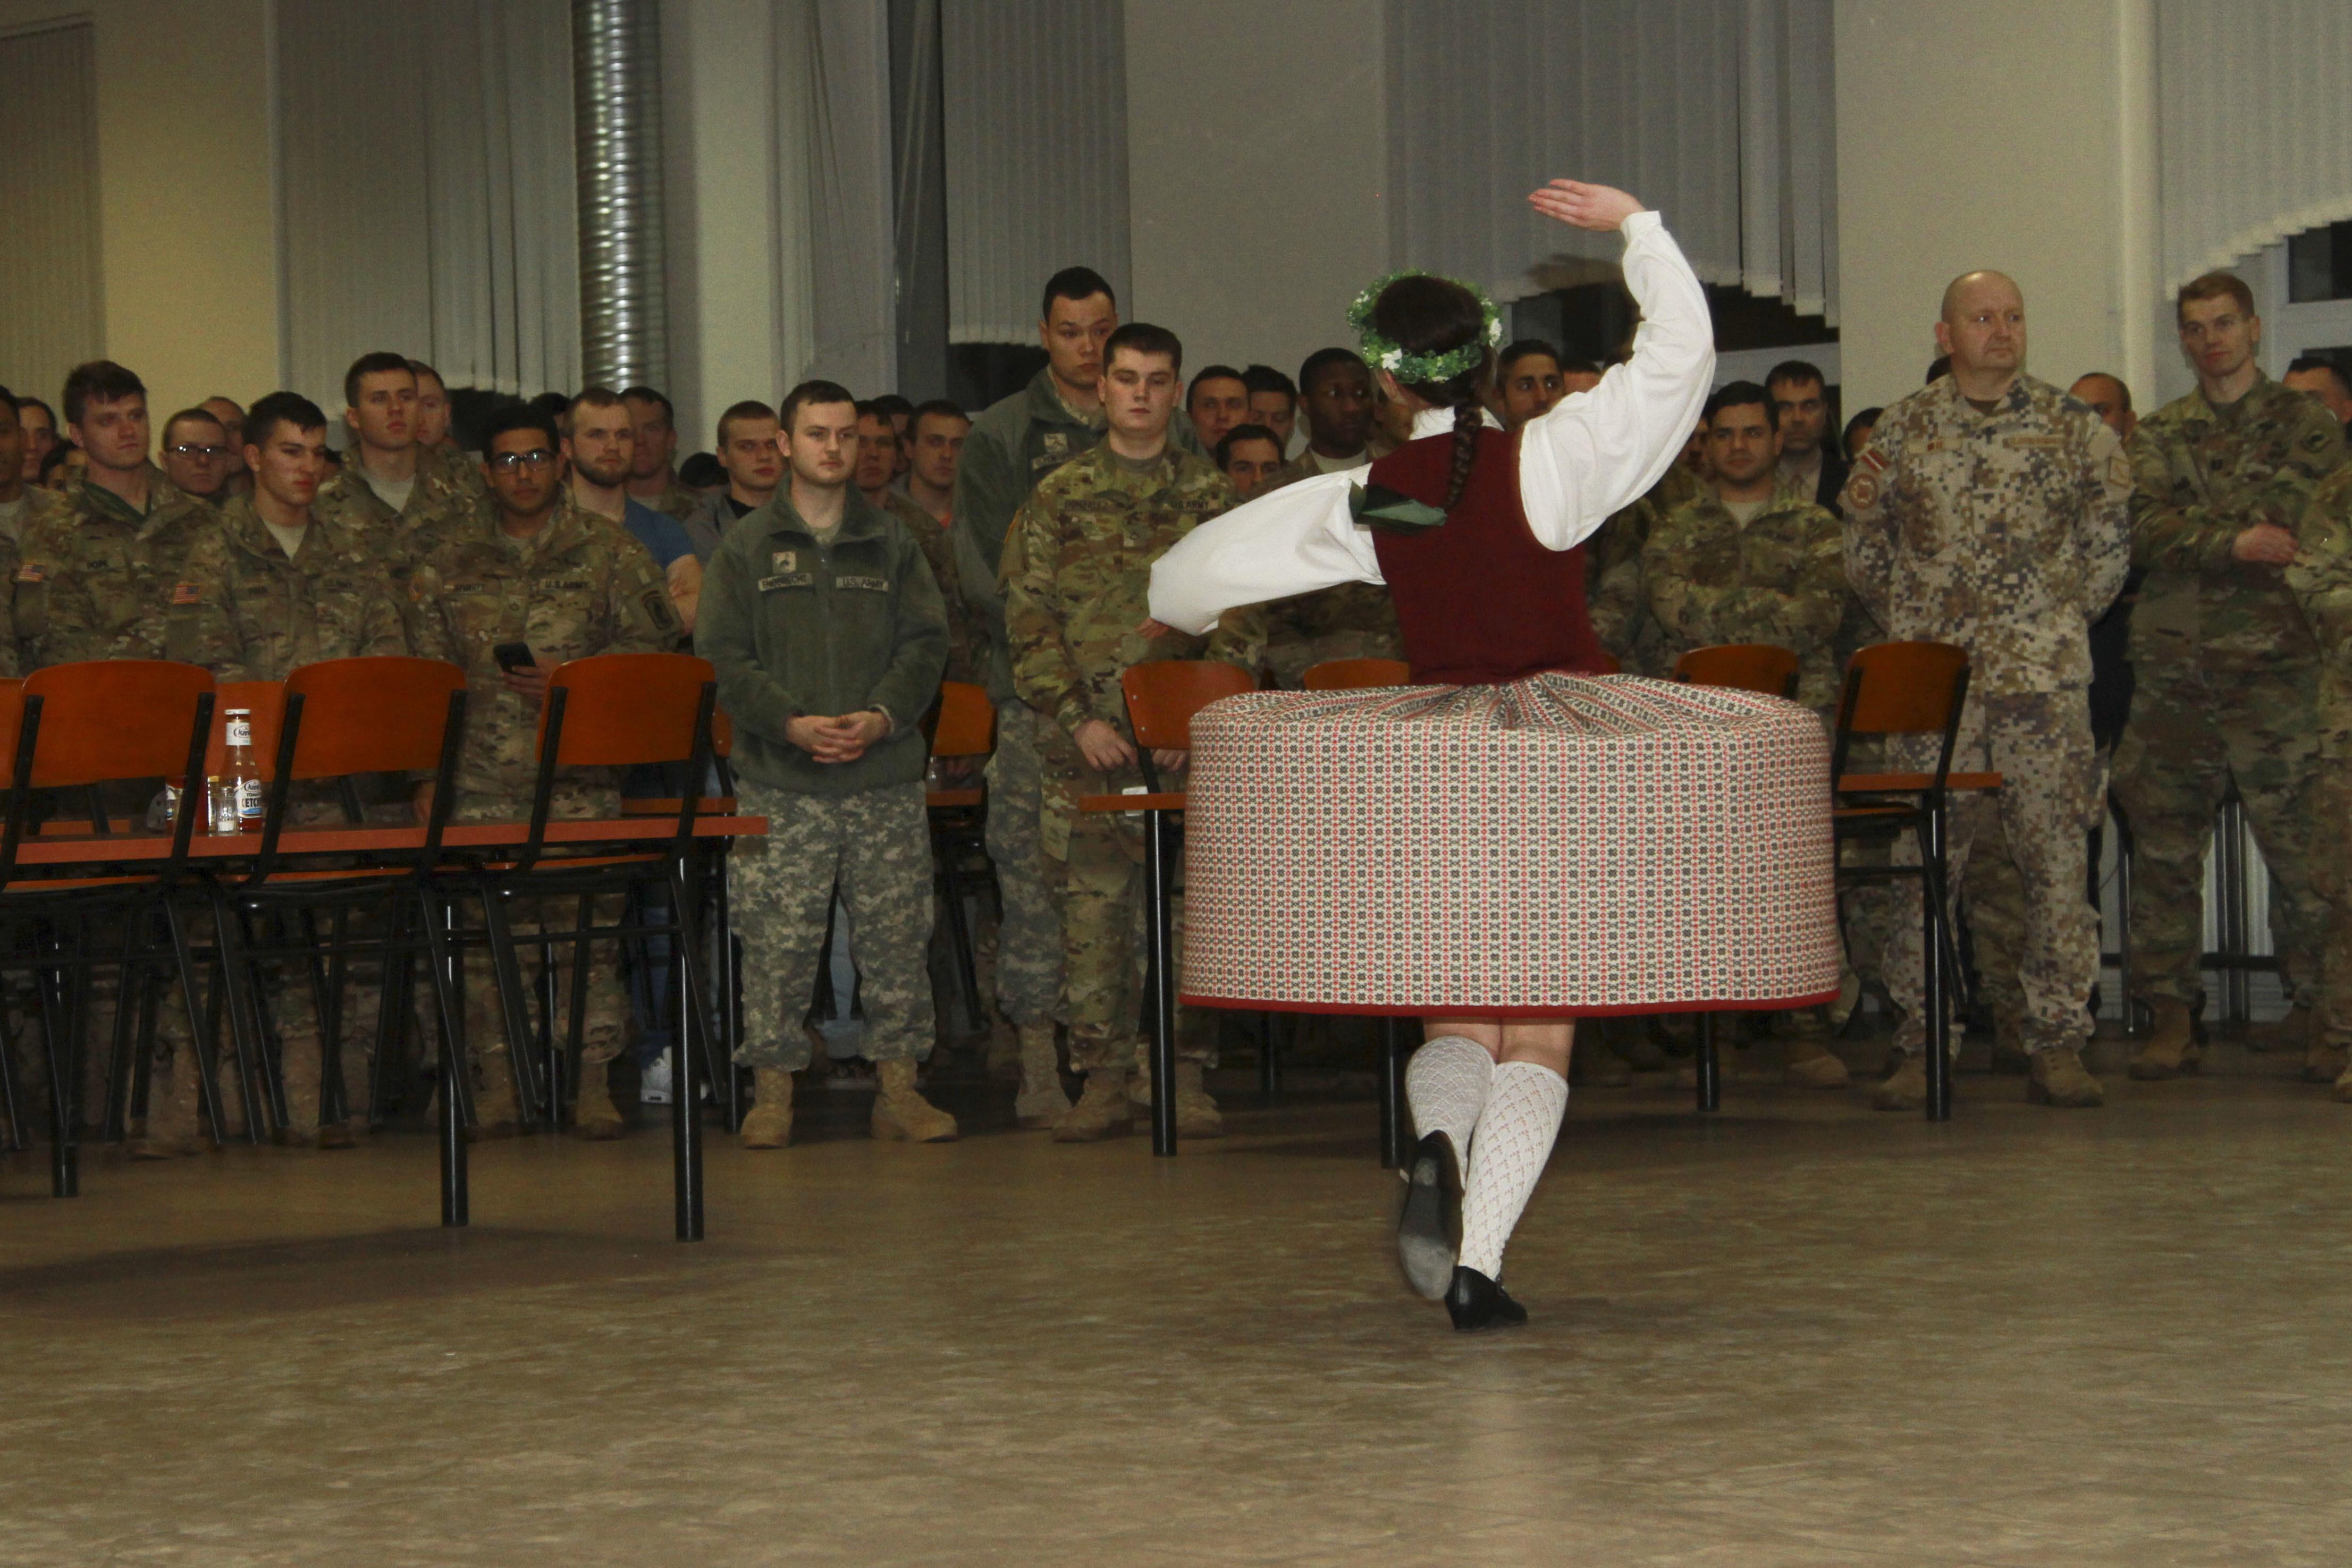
(1078, 575)
(676, 499)
(2008, 532)
(1781, 579)
(579, 585)
(47, 511)
(965, 637)
(2203, 476)
(2321, 576)
(99, 581)
(1354, 620)
(1613, 595)
(259, 615)
(441, 504)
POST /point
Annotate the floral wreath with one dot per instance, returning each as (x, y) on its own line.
(1429, 367)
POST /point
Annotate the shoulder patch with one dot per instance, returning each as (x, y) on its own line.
(2316, 442)
(32, 572)
(1862, 491)
(783, 560)
(658, 609)
(185, 594)
(1873, 458)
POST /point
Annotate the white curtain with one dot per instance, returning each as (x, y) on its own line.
(48, 188)
(1037, 155)
(837, 53)
(427, 155)
(2254, 126)
(1719, 114)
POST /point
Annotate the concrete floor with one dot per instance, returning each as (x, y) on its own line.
(1801, 1333)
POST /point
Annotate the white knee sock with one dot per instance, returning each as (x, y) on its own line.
(1513, 1141)
(1445, 1085)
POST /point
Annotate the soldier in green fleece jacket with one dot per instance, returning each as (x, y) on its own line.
(830, 636)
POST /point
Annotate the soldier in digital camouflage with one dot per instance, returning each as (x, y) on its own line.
(1077, 575)
(399, 497)
(2321, 579)
(1990, 511)
(1747, 559)
(2225, 666)
(533, 568)
(828, 635)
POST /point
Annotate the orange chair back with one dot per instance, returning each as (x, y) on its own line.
(722, 733)
(374, 715)
(12, 721)
(114, 718)
(967, 726)
(1356, 674)
(265, 701)
(1740, 667)
(622, 708)
(1163, 694)
(1901, 689)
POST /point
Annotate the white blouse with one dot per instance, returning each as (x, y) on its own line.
(1592, 454)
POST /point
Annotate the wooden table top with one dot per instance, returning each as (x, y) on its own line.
(92, 848)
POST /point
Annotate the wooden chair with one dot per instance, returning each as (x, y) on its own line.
(1161, 696)
(1741, 666)
(1356, 674)
(619, 710)
(79, 727)
(332, 722)
(1908, 688)
(963, 730)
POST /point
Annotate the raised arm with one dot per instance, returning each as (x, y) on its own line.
(1598, 451)
(1296, 540)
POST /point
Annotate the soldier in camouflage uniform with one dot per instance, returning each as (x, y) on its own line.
(1354, 620)
(829, 636)
(1746, 560)
(533, 568)
(2225, 668)
(1077, 573)
(2321, 580)
(1990, 511)
(22, 506)
(96, 578)
(438, 505)
(1614, 596)
(255, 613)
(1015, 443)
(877, 446)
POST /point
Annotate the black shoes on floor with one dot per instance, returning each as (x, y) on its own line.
(1477, 1304)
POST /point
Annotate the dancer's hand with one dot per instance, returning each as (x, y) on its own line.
(1597, 207)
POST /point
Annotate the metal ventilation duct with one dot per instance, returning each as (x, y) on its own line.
(616, 113)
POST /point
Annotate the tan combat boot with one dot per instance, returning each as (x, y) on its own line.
(2009, 1052)
(2164, 1053)
(2059, 1079)
(1808, 1063)
(1041, 1102)
(2324, 1061)
(595, 1117)
(1905, 1089)
(770, 1124)
(1196, 1114)
(902, 1115)
(495, 1115)
(170, 1126)
(1101, 1111)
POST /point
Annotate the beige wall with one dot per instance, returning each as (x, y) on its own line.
(187, 217)
(2014, 134)
(1257, 172)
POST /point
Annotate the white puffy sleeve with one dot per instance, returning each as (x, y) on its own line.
(1597, 452)
(1297, 540)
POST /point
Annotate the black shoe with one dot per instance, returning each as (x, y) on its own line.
(1476, 1304)
(1429, 1231)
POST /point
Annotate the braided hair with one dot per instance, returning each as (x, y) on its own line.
(1422, 314)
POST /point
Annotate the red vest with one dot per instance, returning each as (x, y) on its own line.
(1480, 601)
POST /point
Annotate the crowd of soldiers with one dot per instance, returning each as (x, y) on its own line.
(835, 559)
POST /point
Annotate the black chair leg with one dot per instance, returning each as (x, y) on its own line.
(65, 1172)
(456, 1104)
(686, 1099)
(524, 1049)
(1161, 982)
(1708, 1062)
(9, 1086)
(1394, 1138)
(575, 1033)
(204, 1058)
(1937, 907)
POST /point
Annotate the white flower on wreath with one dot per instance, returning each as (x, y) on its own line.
(1495, 333)
(1392, 361)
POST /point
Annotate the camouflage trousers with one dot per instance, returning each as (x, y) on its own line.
(2050, 797)
(2331, 800)
(1098, 857)
(2193, 733)
(1029, 938)
(604, 1023)
(877, 845)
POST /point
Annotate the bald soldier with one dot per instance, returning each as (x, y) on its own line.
(2225, 666)
(1990, 511)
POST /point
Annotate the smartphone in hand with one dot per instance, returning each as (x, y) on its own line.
(513, 656)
